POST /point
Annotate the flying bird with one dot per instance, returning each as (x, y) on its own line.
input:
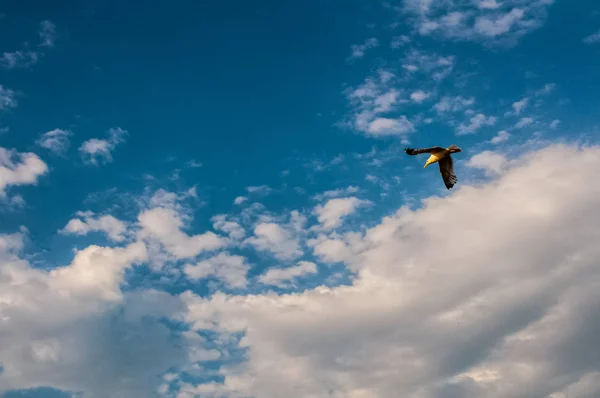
(443, 158)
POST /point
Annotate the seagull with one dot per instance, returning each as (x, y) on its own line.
(443, 158)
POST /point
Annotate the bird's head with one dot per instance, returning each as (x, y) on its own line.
(454, 148)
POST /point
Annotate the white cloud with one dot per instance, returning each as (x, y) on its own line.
(18, 59)
(400, 41)
(47, 34)
(547, 89)
(475, 123)
(231, 269)
(231, 228)
(281, 241)
(489, 161)
(488, 4)
(358, 51)
(56, 141)
(334, 193)
(523, 122)
(520, 105)
(99, 151)
(487, 21)
(281, 276)
(593, 38)
(435, 66)
(331, 214)
(499, 25)
(19, 169)
(73, 329)
(382, 126)
(386, 101)
(7, 98)
(88, 222)
(516, 327)
(453, 104)
(502, 136)
(554, 124)
(263, 190)
(165, 224)
(239, 200)
(419, 96)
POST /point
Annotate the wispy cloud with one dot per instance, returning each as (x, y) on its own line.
(475, 123)
(334, 193)
(523, 122)
(502, 136)
(47, 34)
(370, 100)
(99, 151)
(593, 38)
(282, 276)
(419, 96)
(239, 200)
(453, 104)
(18, 59)
(486, 21)
(400, 41)
(519, 106)
(358, 50)
(56, 141)
(437, 67)
(7, 98)
(259, 190)
(26, 58)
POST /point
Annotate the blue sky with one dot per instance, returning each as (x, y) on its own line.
(193, 183)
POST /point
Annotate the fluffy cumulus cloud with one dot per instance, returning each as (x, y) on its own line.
(372, 103)
(501, 137)
(282, 276)
(58, 325)
(231, 269)
(383, 126)
(57, 141)
(19, 169)
(503, 310)
(332, 213)
(489, 161)
(486, 21)
(475, 123)
(279, 240)
(99, 151)
(164, 225)
(519, 106)
(524, 122)
(88, 222)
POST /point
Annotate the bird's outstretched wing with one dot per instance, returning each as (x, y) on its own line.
(411, 151)
(447, 170)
